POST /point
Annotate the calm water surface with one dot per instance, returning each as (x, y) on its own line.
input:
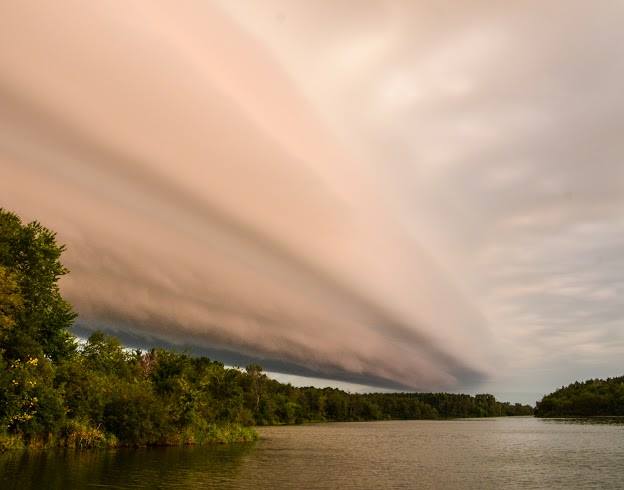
(474, 453)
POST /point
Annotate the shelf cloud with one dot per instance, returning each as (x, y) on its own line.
(372, 200)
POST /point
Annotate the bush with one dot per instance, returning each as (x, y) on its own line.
(135, 415)
(77, 434)
(10, 441)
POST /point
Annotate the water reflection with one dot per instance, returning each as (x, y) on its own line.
(479, 453)
(586, 420)
(177, 467)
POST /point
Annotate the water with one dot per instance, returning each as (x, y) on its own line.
(475, 453)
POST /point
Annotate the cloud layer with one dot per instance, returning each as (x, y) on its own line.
(411, 194)
(499, 127)
(203, 201)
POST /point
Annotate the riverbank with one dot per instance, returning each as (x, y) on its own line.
(81, 436)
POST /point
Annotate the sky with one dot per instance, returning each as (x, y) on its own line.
(408, 195)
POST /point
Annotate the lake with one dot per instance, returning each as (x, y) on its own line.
(470, 453)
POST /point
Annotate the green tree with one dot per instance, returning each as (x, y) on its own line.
(30, 258)
(254, 372)
(29, 404)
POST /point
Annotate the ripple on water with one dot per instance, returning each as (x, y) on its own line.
(477, 453)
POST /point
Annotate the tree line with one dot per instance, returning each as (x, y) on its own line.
(591, 398)
(56, 391)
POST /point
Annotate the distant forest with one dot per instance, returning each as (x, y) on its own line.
(592, 398)
(55, 391)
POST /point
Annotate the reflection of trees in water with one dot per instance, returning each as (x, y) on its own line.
(170, 467)
(600, 420)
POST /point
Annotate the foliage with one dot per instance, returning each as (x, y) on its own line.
(99, 394)
(29, 295)
(10, 441)
(594, 397)
(77, 434)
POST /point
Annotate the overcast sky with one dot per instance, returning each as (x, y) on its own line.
(419, 195)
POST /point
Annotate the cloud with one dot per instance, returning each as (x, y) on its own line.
(204, 201)
(498, 129)
(416, 194)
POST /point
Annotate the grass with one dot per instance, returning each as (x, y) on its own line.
(80, 435)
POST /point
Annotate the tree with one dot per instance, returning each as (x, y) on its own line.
(31, 268)
(254, 371)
